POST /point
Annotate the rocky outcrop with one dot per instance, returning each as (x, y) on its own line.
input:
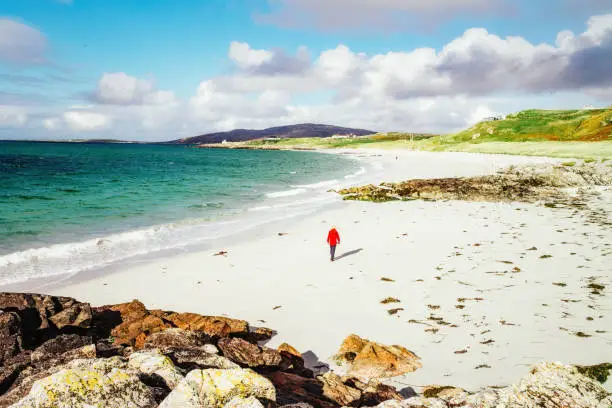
(289, 349)
(59, 345)
(39, 333)
(177, 338)
(10, 336)
(336, 390)
(130, 323)
(198, 358)
(367, 360)
(215, 388)
(526, 183)
(211, 325)
(36, 318)
(249, 355)
(293, 389)
(107, 383)
(152, 362)
(548, 385)
(373, 392)
(53, 355)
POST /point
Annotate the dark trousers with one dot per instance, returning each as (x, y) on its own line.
(332, 251)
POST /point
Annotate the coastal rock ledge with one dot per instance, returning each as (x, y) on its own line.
(57, 352)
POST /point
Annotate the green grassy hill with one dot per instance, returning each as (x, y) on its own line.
(541, 125)
(585, 134)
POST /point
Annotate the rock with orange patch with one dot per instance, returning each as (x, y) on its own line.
(128, 323)
(211, 325)
(289, 349)
(367, 359)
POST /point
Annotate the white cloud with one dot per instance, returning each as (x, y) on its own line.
(420, 90)
(119, 88)
(52, 123)
(84, 121)
(122, 89)
(389, 91)
(244, 56)
(12, 116)
(20, 43)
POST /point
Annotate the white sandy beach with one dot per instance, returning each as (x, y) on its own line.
(435, 253)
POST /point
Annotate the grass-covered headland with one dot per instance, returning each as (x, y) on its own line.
(585, 134)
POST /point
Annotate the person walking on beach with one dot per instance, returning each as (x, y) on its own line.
(333, 239)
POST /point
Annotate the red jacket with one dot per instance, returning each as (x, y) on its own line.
(333, 238)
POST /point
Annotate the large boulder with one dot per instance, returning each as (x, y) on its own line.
(198, 358)
(293, 389)
(293, 361)
(129, 323)
(177, 338)
(41, 317)
(73, 315)
(548, 385)
(336, 390)
(213, 326)
(374, 392)
(366, 359)
(25, 373)
(152, 362)
(59, 345)
(247, 354)
(97, 383)
(215, 388)
(10, 336)
(257, 334)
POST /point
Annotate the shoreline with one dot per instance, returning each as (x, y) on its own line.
(429, 251)
(102, 249)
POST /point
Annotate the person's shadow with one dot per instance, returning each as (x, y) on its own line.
(349, 253)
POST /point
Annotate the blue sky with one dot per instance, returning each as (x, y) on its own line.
(161, 69)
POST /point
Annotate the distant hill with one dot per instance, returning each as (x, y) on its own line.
(540, 125)
(291, 131)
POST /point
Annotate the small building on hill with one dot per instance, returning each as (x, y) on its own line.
(494, 118)
(349, 136)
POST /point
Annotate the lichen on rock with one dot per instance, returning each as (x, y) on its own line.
(100, 383)
(153, 362)
(215, 388)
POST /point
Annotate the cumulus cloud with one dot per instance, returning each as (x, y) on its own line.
(12, 116)
(386, 14)
(476, 63)
(387, 89)
(275, 62)
(52, 123)
(84, 121)
(419, 90)
(119, 88)
(244, 56)
(20, 43)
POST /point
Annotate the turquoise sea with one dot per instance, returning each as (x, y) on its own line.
(69, 207)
